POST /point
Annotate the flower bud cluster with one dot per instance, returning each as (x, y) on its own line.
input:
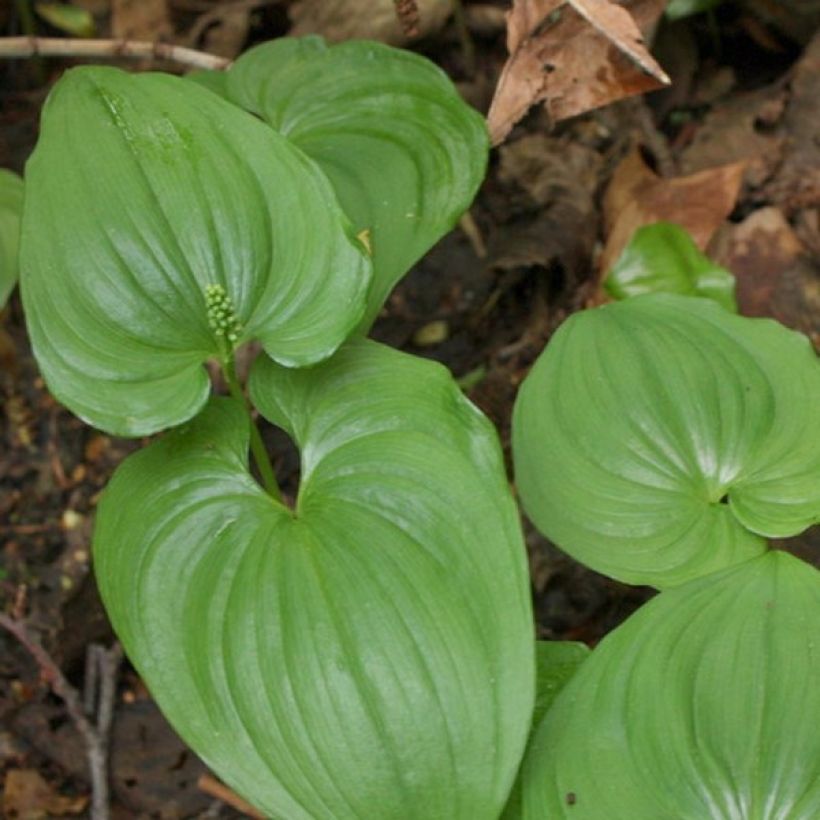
(221, 313)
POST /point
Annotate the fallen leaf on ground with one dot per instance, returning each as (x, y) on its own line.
(637, 196)
(574, 55)
(26, 796)
(797, 182)
(774, 272)
(745, 126)
(553, 184)
(338, 20)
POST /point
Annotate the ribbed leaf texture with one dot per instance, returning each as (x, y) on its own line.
(143, 191)
(658, 439)
(704, 704)
(368, 654)
(404, 152)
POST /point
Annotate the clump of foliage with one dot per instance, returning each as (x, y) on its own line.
(368, 652)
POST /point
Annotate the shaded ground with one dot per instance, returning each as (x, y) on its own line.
(484, 302)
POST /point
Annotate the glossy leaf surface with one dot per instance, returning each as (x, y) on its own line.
(142, 192)
(704, 704)
(368, 654)
(11, 207)
(663, 258)
(555, 664)
(659, 438)
(404, 152)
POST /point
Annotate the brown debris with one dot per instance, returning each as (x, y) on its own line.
(797, 183)
(210, 785)
(636, 196)
(27, 796)
(408, 13)
(574, 56)
(744, 127)
(338, 20)
(775, 275)
(140, 20)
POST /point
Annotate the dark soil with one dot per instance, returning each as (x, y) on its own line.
(746, 87)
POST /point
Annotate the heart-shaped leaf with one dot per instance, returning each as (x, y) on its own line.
(404, 152)
(11, 206)
(657, 439)
(143, 192)
(367, 654)
(704, 704)
(663, 258)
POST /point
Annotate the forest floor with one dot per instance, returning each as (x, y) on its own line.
(731, 150)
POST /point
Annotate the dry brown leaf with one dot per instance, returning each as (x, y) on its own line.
(26, 796)
(744, 127)
(573, 55)
(759, 251)
(140, 19)
(636, 196)
(339, 20)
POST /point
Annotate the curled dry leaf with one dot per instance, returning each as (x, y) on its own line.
(574, 55)
(636, 196)
(338, 20)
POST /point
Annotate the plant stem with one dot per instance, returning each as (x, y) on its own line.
(260, 454)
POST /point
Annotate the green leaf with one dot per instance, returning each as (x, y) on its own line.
(70, 19)
(663, 258)
(704, 704)
(555, 664)
(214, 80)
(11, 206)
(369, 654)
(657, 439)
(145, 190)
(404, 152)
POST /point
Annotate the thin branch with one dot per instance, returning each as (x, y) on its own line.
(95, 737)
(210, 785)
(24, 47)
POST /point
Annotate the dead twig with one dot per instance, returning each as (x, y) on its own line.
(210, 785)
(24, 47)
(95, 735)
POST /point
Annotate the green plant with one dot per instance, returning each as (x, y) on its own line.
(370, 647)
(663, 258)
(11, 205)
(368, 652)
(660, 440)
